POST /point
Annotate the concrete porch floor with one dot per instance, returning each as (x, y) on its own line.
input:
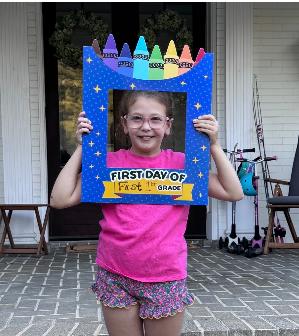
(235, 296)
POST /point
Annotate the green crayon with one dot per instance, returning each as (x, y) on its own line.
(156, 64)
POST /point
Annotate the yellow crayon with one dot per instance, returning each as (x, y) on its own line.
(171, 61)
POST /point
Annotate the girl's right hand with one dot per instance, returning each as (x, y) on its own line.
(83, 126)
(208, 125)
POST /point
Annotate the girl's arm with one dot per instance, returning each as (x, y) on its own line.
(67, 188)
(223, 185)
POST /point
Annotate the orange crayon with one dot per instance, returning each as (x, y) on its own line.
(185, 62)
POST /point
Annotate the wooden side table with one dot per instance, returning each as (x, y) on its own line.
(41, 246)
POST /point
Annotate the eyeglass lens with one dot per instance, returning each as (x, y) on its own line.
(136, 121)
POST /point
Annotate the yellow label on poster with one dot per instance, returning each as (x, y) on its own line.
(148, 187)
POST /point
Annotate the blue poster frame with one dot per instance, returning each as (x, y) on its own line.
(184, 187)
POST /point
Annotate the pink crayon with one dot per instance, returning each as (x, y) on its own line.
(200, 55)
(185, 62)
(110, 53)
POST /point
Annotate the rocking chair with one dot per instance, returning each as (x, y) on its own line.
(284, 204)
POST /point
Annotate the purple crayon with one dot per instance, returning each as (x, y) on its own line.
(125, 61)
(110, 53)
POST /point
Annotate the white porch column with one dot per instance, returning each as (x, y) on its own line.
(15, 115)
(212, 225)
(239, 119)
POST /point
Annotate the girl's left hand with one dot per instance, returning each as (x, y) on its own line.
(209, 125)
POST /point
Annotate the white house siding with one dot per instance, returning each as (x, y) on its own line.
(233, 95)
(22, 113)
(275, 61)
(276, 64)
(37, 105)
(217, 220)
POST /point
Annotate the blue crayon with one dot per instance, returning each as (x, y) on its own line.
(125, 61)
(141, 60)
(110, 53)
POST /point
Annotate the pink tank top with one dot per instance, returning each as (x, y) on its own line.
(144, 242)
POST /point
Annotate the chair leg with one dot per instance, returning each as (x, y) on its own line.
(6, 230)
(269, 231)
(291, 225)
(42, 229)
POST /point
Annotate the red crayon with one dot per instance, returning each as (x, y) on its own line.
(200, 55)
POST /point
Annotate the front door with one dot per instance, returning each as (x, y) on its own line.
(63, 98)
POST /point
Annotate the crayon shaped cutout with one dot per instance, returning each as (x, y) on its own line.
(185, 62)
(200, 55)
(96, 48)
(125, 61)
(110, 53)
(156, 64)
(140, 59)
(171, 61)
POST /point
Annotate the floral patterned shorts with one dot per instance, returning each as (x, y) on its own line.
(156, 299)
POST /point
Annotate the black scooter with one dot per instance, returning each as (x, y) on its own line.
(233, 243)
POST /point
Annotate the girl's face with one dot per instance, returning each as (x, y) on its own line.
(147, 138)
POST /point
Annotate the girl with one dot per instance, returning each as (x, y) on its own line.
(142, 255)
